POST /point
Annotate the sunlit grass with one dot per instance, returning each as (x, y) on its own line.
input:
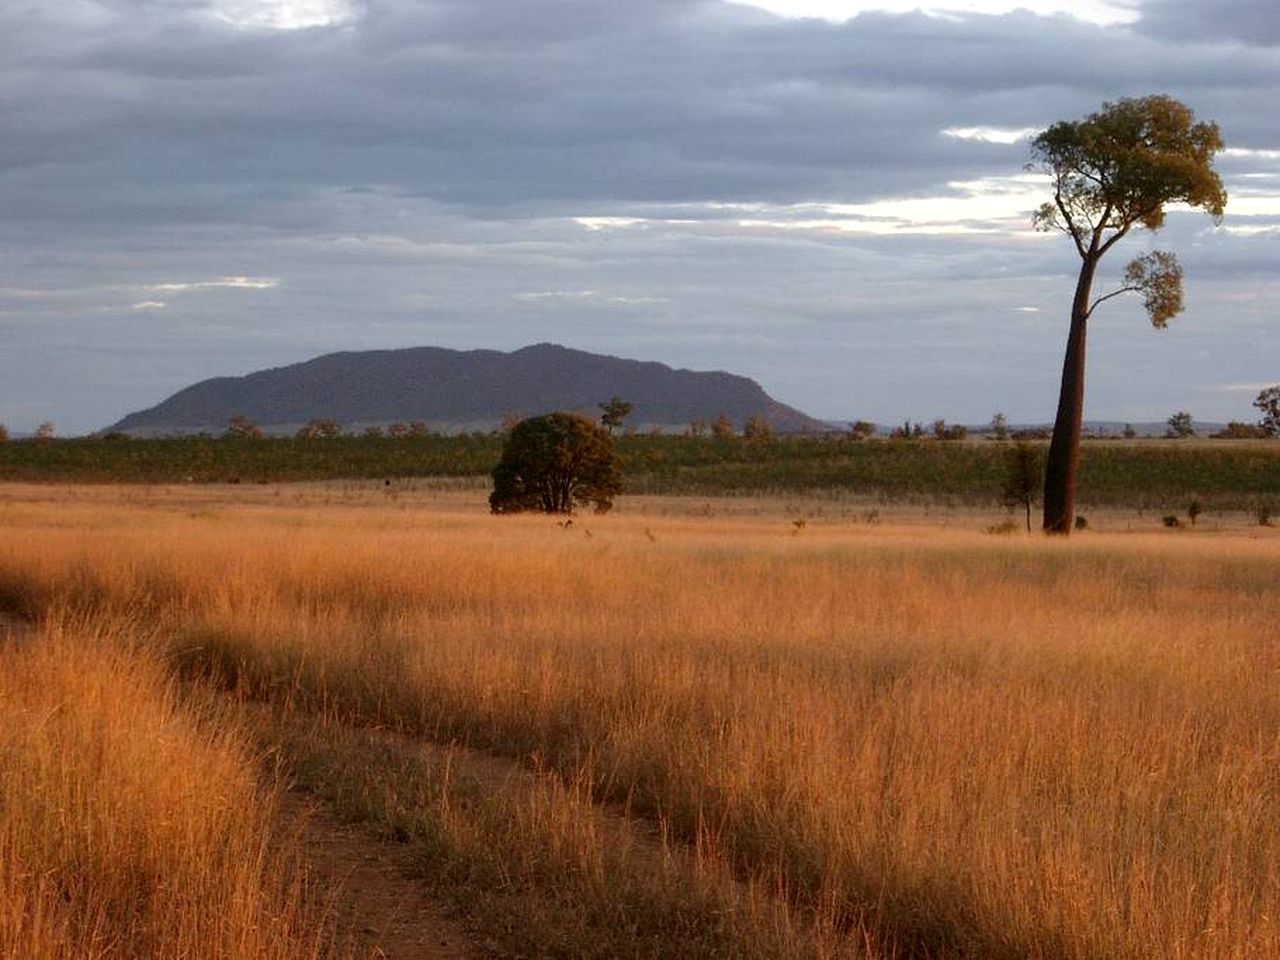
(131, 826)
(953, 743)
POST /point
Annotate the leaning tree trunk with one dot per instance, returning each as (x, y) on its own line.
(1064, 449)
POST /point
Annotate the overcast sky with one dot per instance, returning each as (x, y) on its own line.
(827, 196)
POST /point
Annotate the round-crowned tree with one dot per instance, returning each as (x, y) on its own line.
(553, 463)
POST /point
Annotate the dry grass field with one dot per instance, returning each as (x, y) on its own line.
(745, 736)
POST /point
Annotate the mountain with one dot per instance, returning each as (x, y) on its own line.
(455, 390)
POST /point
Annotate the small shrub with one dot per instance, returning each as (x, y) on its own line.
(1171, 521)
(1194, 509)
(862, 430)
(1082, 522)
(1264, 514)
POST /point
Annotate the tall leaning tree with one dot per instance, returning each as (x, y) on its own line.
(1112, 172)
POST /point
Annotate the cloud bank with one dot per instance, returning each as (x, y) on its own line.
(838, 208)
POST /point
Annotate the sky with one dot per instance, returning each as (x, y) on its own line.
(829, 196)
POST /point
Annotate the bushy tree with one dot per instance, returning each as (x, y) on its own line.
(613, 412)
(1180, 426)
(554, 463)
(320, 429)
(722, 428)
(862, 430)
(45, 431)
(1268, 404)
(1235, 430)
(1112, 172)
(240, 427)
(4, 433)
(757, 429)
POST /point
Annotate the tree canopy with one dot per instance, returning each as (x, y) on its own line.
(1116, 170)
(614, 411)
(553, 463)
(1268, 404)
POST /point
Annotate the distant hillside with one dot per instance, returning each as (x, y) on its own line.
(460, 390)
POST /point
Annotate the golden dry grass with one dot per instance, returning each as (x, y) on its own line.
(131, 826)
(935, 742)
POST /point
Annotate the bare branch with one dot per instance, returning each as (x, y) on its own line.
(1071, 224)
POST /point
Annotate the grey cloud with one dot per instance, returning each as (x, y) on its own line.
(1254, 22)
(410, 174)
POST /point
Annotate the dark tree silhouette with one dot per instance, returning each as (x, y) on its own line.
(1023, 470)
(553, 463)
(613, 412)
(1113, 171)
(1268, 404)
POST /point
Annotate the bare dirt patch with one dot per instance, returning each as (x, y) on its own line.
(377, 909)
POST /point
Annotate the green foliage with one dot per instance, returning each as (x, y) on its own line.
(553, 463)
(1181, 426)
(1119, 167)
(1268, 404)
(1144, 475)
(614, 411)
(1158, 277)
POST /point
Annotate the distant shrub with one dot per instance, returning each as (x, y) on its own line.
(1264, 514)
(1180, 426)
(722, 428)
(862, 430)
(1235, 430)
(1023, 477)
(240, 427)
(1171, 521)
(319, 429)
(553, 463)
(1194, 509)
(757, 429)
(1081, 522)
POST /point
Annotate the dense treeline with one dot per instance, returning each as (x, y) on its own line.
(1154, 473)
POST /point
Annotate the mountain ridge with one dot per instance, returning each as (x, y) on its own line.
(459, 390)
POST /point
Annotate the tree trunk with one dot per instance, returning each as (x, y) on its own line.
(1064, 448)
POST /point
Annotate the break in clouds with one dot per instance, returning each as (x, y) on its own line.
(838, 209)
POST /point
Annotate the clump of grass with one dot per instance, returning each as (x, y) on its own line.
(129, 827)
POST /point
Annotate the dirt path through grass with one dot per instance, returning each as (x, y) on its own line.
(377, 908)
